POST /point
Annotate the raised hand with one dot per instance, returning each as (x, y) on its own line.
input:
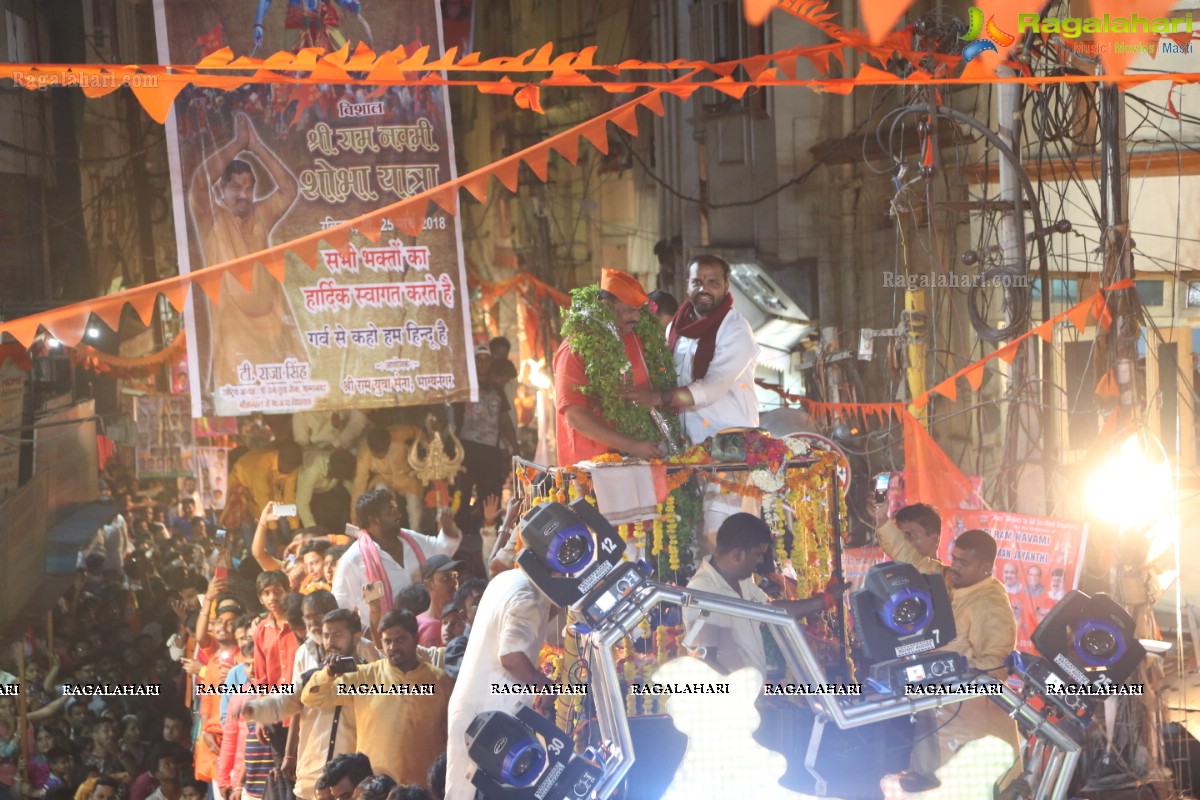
(491, 509)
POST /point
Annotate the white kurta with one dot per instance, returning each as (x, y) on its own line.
(738, 641)
(513, 617)
(351, 575)
(725, 396)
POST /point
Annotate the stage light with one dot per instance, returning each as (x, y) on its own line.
(899, 612)
(569, 552)
(525, 757)
(559, 537)
(902, 617)
(1089, 640)
(505, 749)
(93, 332)
(1133, 489)
(53, 343)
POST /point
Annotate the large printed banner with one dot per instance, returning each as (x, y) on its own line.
(376, 324)
(12, 402)
(1038, 560)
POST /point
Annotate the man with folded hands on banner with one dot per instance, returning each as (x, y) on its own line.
(255, 326)
(986, 635)
(715, 357)
(581, 432)
(731, 643)
(387, 552)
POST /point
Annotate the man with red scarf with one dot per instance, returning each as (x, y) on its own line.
(715, 356)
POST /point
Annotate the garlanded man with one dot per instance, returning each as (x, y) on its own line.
(611, 342)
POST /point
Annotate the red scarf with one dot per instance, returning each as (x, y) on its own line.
(690, 325)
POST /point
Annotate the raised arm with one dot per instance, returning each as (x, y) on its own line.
(258, 548)
(200, 191)
(287, 188)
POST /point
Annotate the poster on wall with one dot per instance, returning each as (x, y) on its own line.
(12, 402)
(165, 448)
(212, 467)
(375, 325)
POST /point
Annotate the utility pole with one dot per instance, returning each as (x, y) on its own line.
(1117, 346)
(1027, 450)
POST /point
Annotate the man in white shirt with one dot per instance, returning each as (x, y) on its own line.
(328, 430)
(715, 357)
(511, 624)
(378, 514)
(731, 643)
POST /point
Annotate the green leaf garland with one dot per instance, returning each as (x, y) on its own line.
(607, 366)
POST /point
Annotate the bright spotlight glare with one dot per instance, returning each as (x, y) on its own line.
(537, 374)
(1131, 491)
(93, 332)
(53, 343)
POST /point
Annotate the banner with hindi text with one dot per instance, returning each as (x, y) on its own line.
(374, 325)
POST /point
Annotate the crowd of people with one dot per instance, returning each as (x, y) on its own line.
(333, 651)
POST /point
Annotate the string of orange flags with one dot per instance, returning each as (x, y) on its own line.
(1093, 307)
(1116, 34)
(68, 323)
(525, 283)
(156, 90)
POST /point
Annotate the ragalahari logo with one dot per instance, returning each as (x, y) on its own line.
(976, 28)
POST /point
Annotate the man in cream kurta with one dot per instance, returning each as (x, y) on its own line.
(514, 619)
(986, 633)
(404, 730)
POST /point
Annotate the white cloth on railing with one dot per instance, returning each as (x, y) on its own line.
(629, 492)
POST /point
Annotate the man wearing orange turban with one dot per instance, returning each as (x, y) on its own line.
(582, 433)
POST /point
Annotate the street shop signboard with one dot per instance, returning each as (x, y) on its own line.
(374, 325)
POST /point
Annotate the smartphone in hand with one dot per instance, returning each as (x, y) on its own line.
(373, 591)
(285, 509)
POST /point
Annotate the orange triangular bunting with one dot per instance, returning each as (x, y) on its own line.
(244, 273)
(626, 120)
(1008, 353)
(1078, 316)
(597, 134)
(109, 311)
(176, 293)
(948, 388)
(158, 99)
(653, 101)
(306, 250)
(567, 146)
(447, 198)
(477, 185)
(369, 227)
(143, 303)
(276, 265)
(24, 330)
(409, 224)
(538, 160)
(506, 171)
(1045, 330)
(880, 16)
(210, 284)
(974, 375)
